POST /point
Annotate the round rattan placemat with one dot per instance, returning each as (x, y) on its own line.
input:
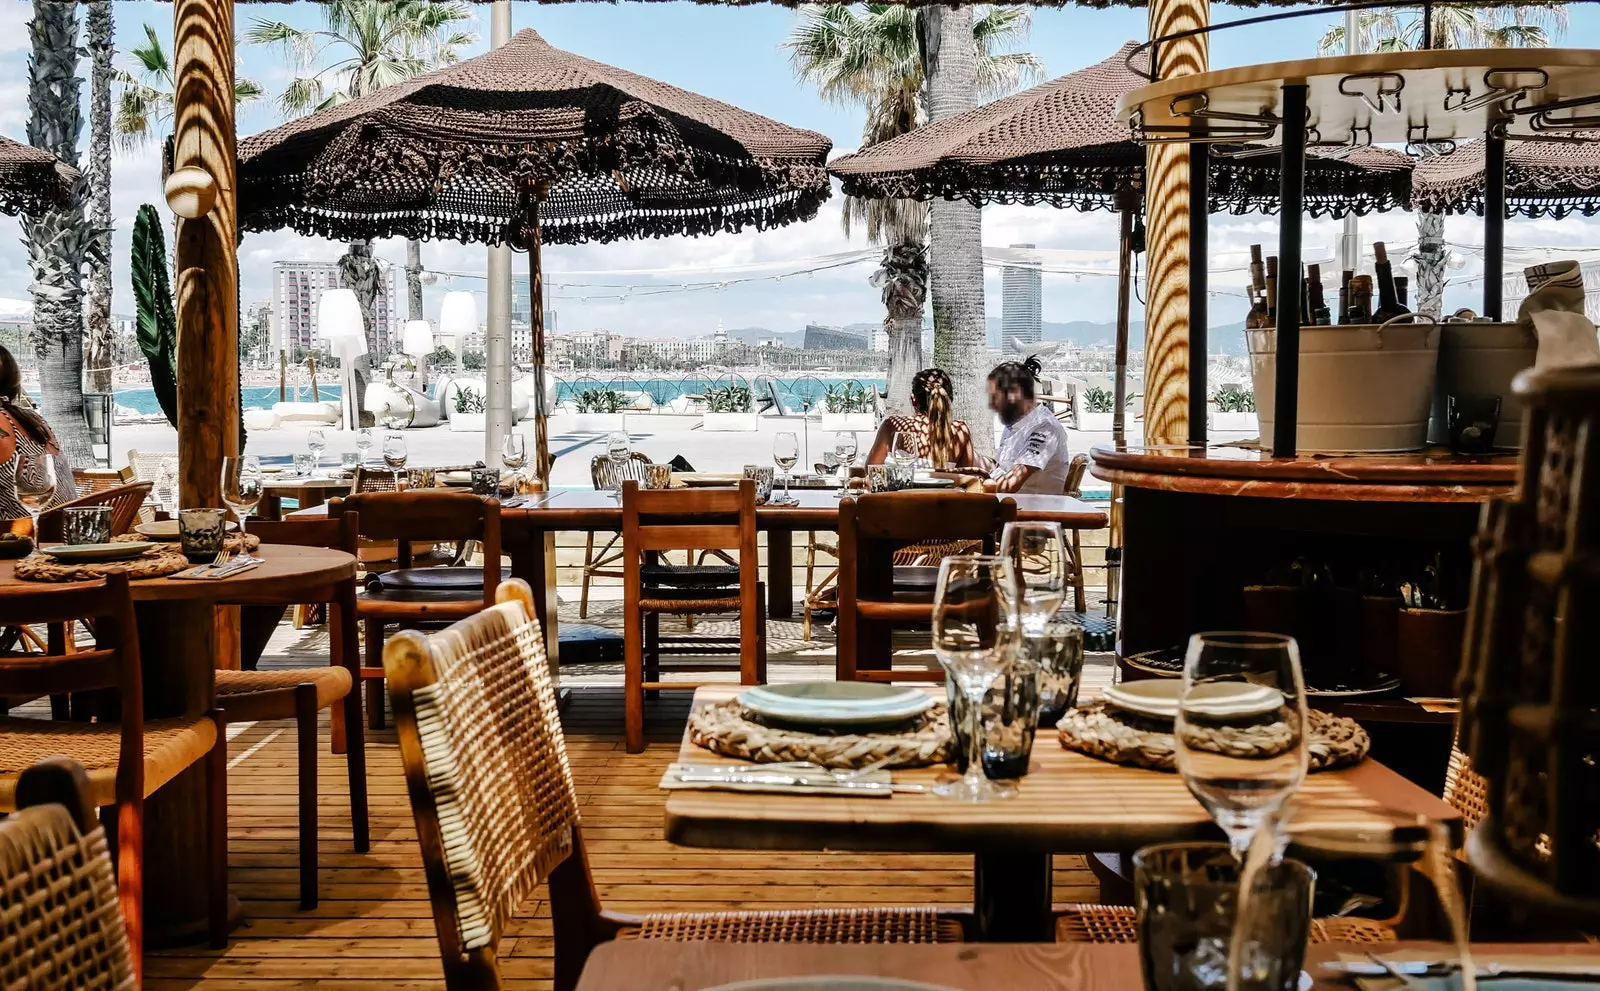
(726, 728)
(157, 562)
(1101, 731)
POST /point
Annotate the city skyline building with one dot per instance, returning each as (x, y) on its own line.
(1021, 302)
(297, 287)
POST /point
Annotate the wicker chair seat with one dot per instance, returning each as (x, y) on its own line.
(332, 682)
(170, 746)
(1120, 924)
(688, 601)
(697, 576)
(919, 924)
(430, 579)
(377, 593)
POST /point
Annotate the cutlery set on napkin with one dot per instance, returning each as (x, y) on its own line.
(228, 568)
(1411, 970)
(795, 778)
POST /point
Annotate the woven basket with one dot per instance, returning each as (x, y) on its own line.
(727, 728)
(1101, 731)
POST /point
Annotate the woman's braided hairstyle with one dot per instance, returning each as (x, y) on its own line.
(931, 394)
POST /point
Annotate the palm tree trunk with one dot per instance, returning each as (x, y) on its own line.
(905, 359)
(1430, 264)
(414, 280)
(955, 229)
(101, 342)
(59, 240)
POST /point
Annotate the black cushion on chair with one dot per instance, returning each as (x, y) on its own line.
(690, 576)
(429, 579)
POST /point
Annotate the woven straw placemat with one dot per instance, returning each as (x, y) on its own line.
(726, 728)
(157, 562)
(1101, 731)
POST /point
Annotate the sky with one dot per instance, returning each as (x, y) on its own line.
(734, 54)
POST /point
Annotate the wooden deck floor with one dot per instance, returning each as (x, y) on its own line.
(373, 928)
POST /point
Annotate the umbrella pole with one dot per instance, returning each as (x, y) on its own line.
(541, 421)
(1124, 289)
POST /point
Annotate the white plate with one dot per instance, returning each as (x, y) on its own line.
(97, 552)
(841, 982)
(1157, 698)
(168, 529)
(925, 480)
(836, 704)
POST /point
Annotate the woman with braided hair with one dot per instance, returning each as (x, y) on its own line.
(23, 437)
(931, 432)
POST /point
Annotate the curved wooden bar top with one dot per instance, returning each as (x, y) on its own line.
(1434, 475)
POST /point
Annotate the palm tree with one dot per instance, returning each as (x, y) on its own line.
(870, 56)
(100, 343)
(367, 45)
(145, 103)
(1453, 26)
(59, 242)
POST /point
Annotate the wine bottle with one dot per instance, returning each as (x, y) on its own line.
(1388, 306)
(1344, 295)
(1319, 306)
(1272, 290)
(1257, 317)
(1361, 299)
(1400, 285)
(1305, 300)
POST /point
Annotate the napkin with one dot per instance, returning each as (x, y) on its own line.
(1554, 312)
(1575, 970)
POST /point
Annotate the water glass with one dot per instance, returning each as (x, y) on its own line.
(762, 475)
(1188, 903)
(901, 476)
(878, 478)
(1009, 720)
(1057, 649)
(200, 533)
(1038, 552)
(617, 451)
(657, 476)
(349, 460)
(1472, 422)
(974, 612)
(363, 443)
(486, 481)
(303, 464)
(86, 524)
(316, 443)
(1238, 685)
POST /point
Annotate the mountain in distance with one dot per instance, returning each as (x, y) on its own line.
(1222, 339)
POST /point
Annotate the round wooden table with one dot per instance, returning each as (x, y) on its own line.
(179, 651)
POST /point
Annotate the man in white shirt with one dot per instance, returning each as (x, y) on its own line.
(1033, 447)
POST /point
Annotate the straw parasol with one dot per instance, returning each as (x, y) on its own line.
(33, 181)
(1060, 143)
(524, 145)
(1543, 178)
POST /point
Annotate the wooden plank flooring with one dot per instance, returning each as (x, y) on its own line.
(373, 928)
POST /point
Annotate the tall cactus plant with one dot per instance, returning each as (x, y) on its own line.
(156, 320)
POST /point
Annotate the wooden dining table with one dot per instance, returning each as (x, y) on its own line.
(179, 652)
(1067, 803)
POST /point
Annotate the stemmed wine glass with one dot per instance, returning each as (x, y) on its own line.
(901, 451)
(363, 443)
(1233, 683)
(394, 451)
(241, 489)
(514, 452)
(844, 448)
(785, 452)
(316, 443)
(36, 484)
(974, 612)
(1038, 552)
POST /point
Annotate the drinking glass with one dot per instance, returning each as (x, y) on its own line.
(86, 524)
(1239, 686)
(617, 451)
(1038, 552)
(36, 484)
(316, 443)
(241, 488)
(302, 465)
(514, 452)
(363, 442)
(901, 451)
(974, 610)
(348, 460)
(394, 451)
(844, 448)
(785, 452)
(200, 533)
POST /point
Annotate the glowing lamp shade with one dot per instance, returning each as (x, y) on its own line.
(458, 315)
(339, 323)
(417, 338)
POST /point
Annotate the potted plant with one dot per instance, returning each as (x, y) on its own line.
(847, 406)
(470, 410)
(1233, 408)
(600, 411)
(1098, 404)
(729, 407)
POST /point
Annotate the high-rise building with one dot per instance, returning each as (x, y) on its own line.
(1022, 301)
(298, 286)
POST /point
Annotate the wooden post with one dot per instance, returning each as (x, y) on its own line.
(207, 260)
(541, 416)
(1166, 322)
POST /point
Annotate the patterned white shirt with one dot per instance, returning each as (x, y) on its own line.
(1039, 440)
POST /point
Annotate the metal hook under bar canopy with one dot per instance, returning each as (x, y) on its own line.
(1380, 105)
(1203, 132)
(1502, 86)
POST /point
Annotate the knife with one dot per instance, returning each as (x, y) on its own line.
(882, 787)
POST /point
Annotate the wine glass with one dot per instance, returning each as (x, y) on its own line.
(901, 450)
(363, 443)
(241, 489)
(844, 448)
(316, 443)
(617, 451)
(394, 451)
(1238, 687)
(1038, 552)
(36, 484)
(785, 452)
(974, 610)
(514, 452)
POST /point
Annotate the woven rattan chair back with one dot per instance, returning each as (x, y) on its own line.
(124, 500)
(421, 515)
(61, 927)
(1465, 790)
(99, 479)
(374, 480)
(487, 773)
(1076, 469)
(604, 473)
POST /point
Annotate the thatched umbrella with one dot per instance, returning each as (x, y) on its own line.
(1060, 143)
(33, 181)
(525, 145)
(1543, 178)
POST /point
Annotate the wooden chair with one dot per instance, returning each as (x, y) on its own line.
(413, 596)
(875, 593)
(61, 926)
(125, 501)
(99, 479)
(604, 476)
(153, 467)
(374, 480)
(497, 814)
(127, 758)
(660, 520)
(1076, 469)
(300, 693)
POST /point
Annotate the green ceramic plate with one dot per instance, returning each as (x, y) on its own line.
(98, 552)
(836, 704)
